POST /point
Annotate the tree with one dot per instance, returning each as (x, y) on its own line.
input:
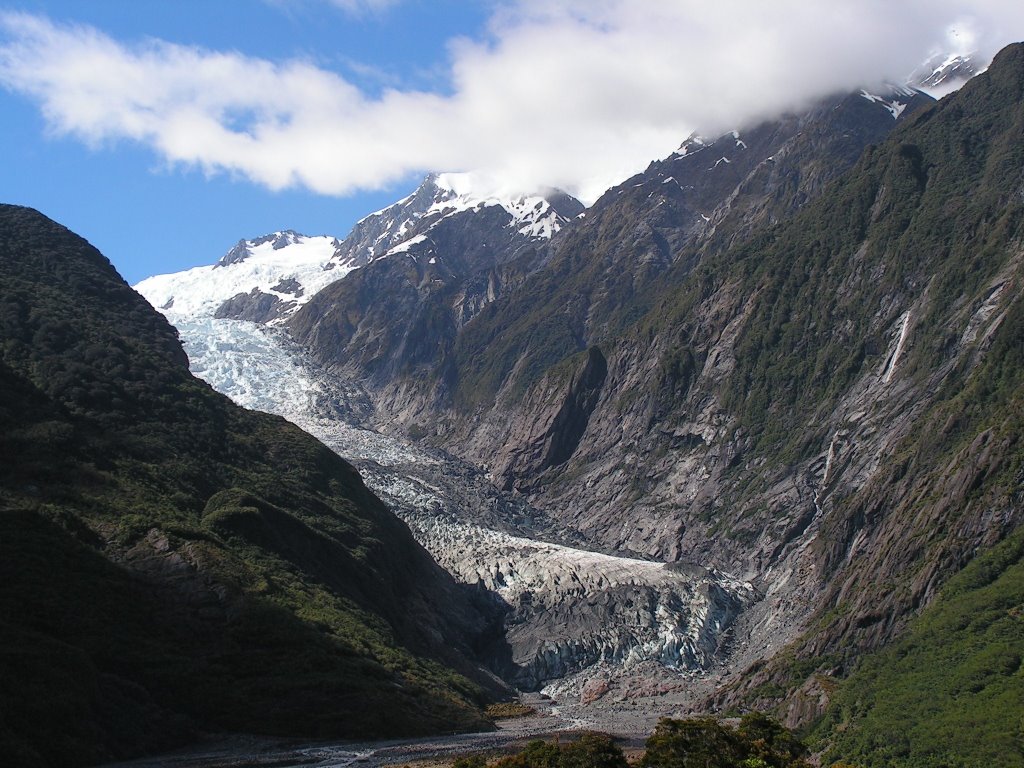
(592, 750)
(769, 741)
(698, 743)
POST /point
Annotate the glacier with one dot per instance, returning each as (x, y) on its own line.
(567, 608)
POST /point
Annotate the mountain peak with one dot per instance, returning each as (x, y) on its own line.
(267, 278)
(944, 73)
(275, 241)
(536, 215)
(278, 272)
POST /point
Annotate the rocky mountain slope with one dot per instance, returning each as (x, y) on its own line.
(803, 374)
(171, 563)
(591, 272)
(828, 407)
(451, 195)
(383, 337)
(399, 316)
(565, 609)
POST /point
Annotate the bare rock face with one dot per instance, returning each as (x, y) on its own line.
(259, 307)
(255, 306)
(557, 418)
(594, 690)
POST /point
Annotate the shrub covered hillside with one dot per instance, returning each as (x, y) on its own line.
(913, 447)
(951, 690)
(171, 563)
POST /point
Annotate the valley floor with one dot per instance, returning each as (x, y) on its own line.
(630, 724)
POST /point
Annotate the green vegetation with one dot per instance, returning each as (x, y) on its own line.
(504, 710)
(171, 563)
(963, 456)
(950, 691)
(934, 201)
(756, 741)
(546, 339)
(589, 750)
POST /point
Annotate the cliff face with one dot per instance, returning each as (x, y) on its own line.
(172, 563)
(401, 325)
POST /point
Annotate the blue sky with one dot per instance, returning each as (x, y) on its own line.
(149, 218)
(164, 131)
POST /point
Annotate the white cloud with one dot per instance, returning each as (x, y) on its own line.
(569, 93)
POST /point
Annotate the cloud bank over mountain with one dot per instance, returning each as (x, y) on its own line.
(577, 94)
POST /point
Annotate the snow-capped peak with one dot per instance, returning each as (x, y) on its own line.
(944, 73)
(536, 216)
(693, 143)
(286, 267)
(268, 278)
(533, 215)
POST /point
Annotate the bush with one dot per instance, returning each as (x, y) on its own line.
(758, 742)
(475, 760)
(591, 750)
(700, 743)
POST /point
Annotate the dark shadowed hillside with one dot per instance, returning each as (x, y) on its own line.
(172, 564)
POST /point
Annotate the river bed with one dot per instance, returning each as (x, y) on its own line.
(244, 751)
